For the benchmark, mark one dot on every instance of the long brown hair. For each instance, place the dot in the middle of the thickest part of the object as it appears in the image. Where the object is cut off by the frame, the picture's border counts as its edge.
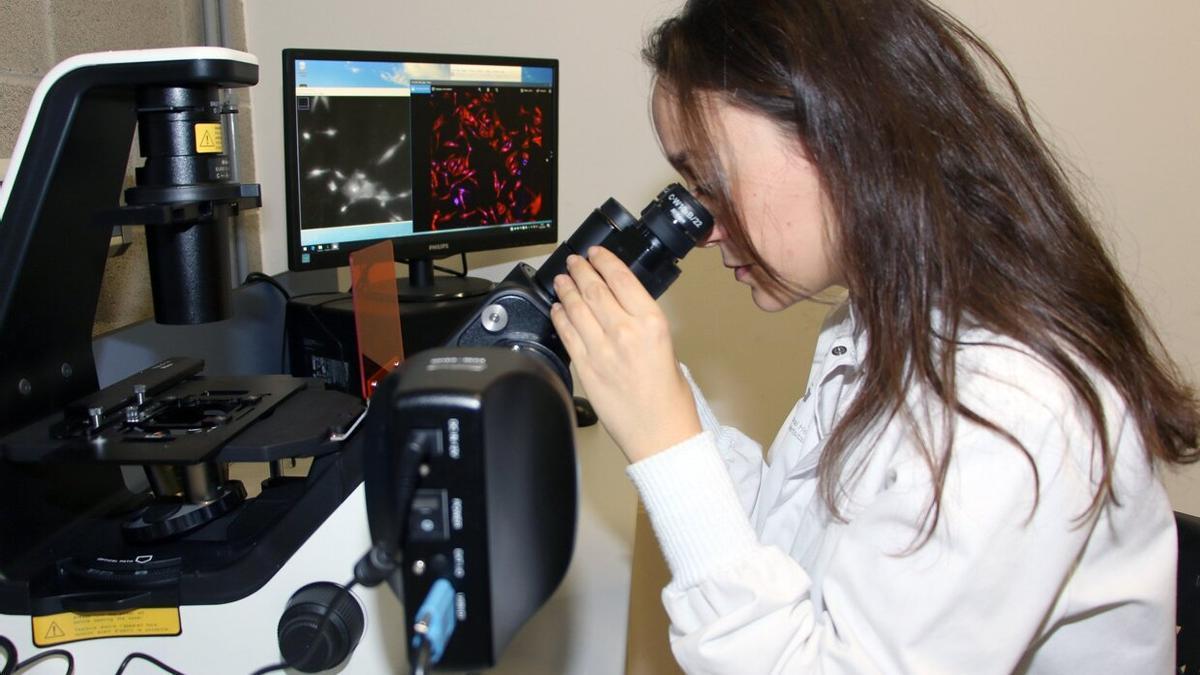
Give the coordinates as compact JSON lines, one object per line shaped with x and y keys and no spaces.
{"x":945,"y":199}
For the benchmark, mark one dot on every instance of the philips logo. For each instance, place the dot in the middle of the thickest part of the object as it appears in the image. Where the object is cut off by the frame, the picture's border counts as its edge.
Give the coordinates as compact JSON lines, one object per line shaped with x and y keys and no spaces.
{"x":439,"y":247}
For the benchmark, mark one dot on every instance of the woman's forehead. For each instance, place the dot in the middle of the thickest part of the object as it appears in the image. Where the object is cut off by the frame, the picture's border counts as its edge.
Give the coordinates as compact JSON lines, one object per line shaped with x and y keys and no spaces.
{"x":672,"y":124}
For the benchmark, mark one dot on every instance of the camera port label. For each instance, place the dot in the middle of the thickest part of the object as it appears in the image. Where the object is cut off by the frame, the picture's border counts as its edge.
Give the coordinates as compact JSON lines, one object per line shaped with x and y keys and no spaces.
{"x":56,"y":629}
{"x":452,"y":438}
{"x":475,"y":364}
{"x":460,"y":564}
{"x":456,"y":513}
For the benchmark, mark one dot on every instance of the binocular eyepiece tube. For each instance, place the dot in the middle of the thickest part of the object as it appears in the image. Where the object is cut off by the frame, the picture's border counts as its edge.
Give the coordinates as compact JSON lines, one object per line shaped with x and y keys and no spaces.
{"x":517,"y":314}
{"x":670,"y":226}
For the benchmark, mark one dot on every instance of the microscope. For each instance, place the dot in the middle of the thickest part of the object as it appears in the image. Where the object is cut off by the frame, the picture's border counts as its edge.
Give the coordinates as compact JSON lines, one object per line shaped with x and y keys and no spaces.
{"x":116,"y":501}
{"x":119,"y":522}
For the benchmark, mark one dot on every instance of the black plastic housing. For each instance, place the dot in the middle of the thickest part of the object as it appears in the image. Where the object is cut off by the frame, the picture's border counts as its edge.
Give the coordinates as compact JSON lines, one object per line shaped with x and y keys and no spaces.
{"x":505,"y":471}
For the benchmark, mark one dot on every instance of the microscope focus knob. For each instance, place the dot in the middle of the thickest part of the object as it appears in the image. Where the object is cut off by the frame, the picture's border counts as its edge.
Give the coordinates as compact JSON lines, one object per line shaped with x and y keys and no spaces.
{"x":311,"y":645}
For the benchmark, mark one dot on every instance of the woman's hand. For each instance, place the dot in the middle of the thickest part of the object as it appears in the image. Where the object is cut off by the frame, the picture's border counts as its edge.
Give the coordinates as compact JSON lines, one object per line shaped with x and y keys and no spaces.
{"x":620,"y":343}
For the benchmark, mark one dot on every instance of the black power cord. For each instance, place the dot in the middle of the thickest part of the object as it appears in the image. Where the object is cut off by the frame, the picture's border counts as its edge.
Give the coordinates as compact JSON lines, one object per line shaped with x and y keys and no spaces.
{"x":422,"y":664}
{"x":38,"y":658}
{"x":462,"y":274}
{"x":381,"y":561}
{"x":145,"y":657}
{"x":260,"y":278}
{"x":10,"y":656}
{"x":271,"y":668}
{"x":12,"y":666}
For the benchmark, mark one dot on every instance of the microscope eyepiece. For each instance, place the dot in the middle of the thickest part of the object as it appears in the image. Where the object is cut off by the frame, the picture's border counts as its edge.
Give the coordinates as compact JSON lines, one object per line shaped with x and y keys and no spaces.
{"x":517,"y":314}
{"x":670,"y":226}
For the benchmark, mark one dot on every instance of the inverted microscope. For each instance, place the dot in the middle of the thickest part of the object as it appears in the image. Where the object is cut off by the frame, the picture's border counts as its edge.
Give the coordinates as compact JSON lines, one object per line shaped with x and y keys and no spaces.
{"x":120,"y":523}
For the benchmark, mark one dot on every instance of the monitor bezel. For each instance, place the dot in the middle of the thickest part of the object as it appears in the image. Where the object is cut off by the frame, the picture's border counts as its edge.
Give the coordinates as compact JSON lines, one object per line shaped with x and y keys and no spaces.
{"x":449,"y":243}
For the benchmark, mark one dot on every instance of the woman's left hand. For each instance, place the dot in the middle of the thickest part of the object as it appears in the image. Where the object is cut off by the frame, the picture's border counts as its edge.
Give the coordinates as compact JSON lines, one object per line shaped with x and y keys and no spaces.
{"x":620,"y":342}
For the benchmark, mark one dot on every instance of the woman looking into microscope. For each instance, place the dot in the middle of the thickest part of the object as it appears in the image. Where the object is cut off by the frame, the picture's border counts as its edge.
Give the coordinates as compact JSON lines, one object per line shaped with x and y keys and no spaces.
{"x":969,"y":482}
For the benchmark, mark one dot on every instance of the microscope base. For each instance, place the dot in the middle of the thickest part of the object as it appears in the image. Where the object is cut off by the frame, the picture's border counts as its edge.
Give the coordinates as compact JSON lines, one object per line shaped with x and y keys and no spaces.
{"x":211,"y":639}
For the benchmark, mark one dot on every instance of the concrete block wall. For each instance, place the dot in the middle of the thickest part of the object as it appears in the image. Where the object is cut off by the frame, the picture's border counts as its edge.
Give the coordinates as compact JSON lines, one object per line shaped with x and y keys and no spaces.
{"x":37,"y":34}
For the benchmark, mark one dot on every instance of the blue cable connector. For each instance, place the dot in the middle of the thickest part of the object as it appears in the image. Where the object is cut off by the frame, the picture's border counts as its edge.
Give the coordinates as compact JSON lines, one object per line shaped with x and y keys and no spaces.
{"x":435,"y":620}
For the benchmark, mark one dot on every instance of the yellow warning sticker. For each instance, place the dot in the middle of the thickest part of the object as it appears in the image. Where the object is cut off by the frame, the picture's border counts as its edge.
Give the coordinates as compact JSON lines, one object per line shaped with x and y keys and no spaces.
{"x":70,"y":626}
{"x":208,"y":137}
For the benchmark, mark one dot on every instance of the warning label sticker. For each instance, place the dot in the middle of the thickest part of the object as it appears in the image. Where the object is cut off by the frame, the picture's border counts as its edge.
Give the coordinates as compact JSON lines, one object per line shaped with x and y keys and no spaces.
{"x":208,"y":137}
{"x":69,"y":626}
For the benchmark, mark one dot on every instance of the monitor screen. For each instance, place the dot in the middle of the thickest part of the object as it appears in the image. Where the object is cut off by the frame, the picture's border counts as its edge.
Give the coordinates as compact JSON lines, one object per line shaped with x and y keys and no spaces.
{"x":440,"y":154}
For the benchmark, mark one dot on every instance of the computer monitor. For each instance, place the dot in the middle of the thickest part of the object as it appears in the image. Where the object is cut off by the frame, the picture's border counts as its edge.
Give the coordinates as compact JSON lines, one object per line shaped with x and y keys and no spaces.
{"x":441,"y":154}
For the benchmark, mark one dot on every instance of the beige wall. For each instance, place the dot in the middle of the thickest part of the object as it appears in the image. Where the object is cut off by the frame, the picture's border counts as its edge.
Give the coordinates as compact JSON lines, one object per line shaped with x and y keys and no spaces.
{"x":1114,"y":86}
{"x":37,"y":34}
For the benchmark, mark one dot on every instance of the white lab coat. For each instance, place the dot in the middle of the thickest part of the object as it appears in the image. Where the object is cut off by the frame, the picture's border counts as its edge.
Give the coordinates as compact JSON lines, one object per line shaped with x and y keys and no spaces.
{"x":765,"y":581}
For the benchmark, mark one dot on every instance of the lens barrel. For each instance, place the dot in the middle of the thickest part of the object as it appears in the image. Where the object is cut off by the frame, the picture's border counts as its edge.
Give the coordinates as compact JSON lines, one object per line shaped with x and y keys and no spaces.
{"x":670,"y":226}
{"x":179,"y":133}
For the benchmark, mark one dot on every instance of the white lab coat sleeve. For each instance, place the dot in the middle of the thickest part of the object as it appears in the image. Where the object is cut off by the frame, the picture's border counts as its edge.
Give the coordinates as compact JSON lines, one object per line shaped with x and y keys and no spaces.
{"x":971,"y":599}
{"x":742,"y":455}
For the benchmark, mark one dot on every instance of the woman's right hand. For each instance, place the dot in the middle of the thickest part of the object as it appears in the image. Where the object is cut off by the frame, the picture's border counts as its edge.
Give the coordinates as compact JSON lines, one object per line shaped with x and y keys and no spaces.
{"x":620,"y":342}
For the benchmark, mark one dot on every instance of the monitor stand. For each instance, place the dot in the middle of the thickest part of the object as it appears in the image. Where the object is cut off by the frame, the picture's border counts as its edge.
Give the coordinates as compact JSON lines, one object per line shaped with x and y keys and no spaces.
{"x":424,"y":286}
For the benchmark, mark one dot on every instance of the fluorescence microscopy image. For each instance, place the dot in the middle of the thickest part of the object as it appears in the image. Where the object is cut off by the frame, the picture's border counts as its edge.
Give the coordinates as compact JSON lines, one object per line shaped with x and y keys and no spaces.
{"x":489,"y":162}
{"x":356,"y":159}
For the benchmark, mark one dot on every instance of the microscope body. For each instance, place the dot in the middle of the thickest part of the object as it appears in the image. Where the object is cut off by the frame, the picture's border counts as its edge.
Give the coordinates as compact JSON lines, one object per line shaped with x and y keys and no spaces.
{"x":516,"y":315}
{"x":115,"y":501}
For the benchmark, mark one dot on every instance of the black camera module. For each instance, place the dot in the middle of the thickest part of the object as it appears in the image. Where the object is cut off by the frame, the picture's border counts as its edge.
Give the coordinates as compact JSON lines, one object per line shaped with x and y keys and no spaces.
{"x":516,"y":315}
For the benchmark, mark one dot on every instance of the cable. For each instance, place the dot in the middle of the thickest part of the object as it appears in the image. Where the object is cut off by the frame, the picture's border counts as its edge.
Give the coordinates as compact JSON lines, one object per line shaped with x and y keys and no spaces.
{"x":435,"y":617}
{"x":12,"y":666}
{"x":145,"y":657}
{"x":10,"y":656}
{"x":312,"y":311}
{"x":309,"y":295}
{"x":462,"y":274}
{"x":423,"y":662}
{"x":270,"y":669}
{"x":434,"y":626}
{"x":456,"y":273}
{"x":259,"y":277}
{"x":381,"y":560}
{"x":312,"y":646}
{"x":37,"y":658}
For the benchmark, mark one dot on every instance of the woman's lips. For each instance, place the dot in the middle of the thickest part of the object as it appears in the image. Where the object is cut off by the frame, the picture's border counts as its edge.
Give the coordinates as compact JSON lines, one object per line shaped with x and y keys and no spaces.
{"x":741,"y":272}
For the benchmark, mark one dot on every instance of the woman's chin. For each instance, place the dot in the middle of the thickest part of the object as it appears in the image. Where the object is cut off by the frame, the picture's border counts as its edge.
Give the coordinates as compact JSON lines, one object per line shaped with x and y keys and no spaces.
{"x":766,"y":301}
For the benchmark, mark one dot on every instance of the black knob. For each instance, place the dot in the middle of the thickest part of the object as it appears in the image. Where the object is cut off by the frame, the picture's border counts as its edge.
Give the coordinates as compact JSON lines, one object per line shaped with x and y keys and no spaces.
{"x":311,"y":645}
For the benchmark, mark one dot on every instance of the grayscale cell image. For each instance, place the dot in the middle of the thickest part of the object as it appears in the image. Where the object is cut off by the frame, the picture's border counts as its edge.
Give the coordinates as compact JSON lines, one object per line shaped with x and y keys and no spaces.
{"x":355,"y":159}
